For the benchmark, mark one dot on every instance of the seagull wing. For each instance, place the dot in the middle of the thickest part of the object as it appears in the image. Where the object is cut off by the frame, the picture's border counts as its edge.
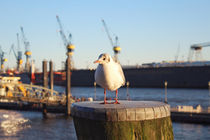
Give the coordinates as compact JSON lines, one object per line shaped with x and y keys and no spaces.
{"x":121,"y":73}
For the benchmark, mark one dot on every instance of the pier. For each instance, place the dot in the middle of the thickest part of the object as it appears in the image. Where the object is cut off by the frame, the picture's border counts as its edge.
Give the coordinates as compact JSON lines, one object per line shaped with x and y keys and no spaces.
{"x":188,"y":114}
{"x":15,"y":95}
{"x":31,"y":97}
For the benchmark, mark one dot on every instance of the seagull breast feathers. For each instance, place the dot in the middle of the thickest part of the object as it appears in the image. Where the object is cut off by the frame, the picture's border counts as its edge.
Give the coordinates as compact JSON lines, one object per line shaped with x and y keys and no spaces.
{"x":110,"y":76}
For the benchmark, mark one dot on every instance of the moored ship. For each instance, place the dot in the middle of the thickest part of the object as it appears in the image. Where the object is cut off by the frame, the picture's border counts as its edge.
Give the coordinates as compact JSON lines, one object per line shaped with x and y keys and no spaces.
{"x":178,"y":75}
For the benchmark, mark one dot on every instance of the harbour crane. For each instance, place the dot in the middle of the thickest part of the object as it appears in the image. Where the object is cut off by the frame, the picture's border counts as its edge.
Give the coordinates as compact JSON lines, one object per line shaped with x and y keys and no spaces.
{"x":67,"y":41}
{"x":115,"y":45}
{"x":27,"y":50}
{"x":2,"y":59}
{"x":177,"y":53}
{"x":195,"y":50}
{"x":17,"y":55}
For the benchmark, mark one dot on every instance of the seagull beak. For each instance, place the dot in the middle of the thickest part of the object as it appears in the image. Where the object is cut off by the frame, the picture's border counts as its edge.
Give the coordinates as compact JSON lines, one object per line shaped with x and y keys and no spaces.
{"x":97,"y":61}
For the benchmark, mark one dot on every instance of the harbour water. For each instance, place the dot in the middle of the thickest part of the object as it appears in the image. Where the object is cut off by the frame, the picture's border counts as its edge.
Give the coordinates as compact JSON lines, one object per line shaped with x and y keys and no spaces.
{"x":20,"y":125}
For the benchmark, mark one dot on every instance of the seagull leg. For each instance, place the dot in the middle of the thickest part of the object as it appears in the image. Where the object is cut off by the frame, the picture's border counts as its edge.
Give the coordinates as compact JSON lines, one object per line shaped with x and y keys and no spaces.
{"x":105,"y":96}
{"x":116,"y":101}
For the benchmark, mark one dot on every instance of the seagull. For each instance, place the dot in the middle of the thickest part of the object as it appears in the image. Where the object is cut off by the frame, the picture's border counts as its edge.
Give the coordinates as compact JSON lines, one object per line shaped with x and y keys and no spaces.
{"x":109,"y":75}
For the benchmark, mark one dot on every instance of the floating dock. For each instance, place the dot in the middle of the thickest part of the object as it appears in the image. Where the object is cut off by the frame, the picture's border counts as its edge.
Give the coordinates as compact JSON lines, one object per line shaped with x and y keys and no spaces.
{"x":188,"y":114}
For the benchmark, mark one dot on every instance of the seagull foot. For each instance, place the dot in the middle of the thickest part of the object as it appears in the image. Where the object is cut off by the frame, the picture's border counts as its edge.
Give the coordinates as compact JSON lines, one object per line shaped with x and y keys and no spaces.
{"x":116,"y":102}
{"x":105,"y":102}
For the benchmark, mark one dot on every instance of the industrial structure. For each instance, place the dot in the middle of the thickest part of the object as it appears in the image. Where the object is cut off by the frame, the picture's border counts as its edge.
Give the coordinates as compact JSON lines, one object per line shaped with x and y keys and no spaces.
{"x":14,"y":93}
{"x":27,"y":50}
{"x":195,"y":51}
{"x":2,"y":59}
{"x":115,"y":45}
{"x":17,"y":55}
{"x":67,"y":41}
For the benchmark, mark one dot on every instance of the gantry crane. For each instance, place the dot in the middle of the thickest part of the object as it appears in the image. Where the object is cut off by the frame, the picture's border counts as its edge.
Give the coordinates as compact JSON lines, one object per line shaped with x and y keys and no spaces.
{"x":195,"y":49}
{"x":27,"y":50}
{"x":2,"y":59}
{"x":116,"y":47}
{"x":67,"y":42}
{"x":17,"y":55}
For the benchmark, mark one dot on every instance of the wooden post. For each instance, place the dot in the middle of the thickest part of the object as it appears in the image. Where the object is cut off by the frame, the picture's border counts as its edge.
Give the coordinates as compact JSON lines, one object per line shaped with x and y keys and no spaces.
{"x":209,"y":92}
{"x":130,"y":120}
{"x":44,"y":110}
{"x":127,"y":85}
{"x":209,"y":87}
{"x":94,"y":90}
{"x":45,"y":84}
{"x":68,"y":86}
{"x":51,"y":77}
{"x":166,"y":83}
{"x":45,"y":75}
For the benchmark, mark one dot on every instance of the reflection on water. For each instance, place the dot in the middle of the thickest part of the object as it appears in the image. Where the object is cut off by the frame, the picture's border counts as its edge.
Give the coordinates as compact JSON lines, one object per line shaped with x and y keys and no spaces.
{"x":191,"y":131}
{"x":59,"y":127}
{"x":12,"y":122}
{"x":22,"y":125}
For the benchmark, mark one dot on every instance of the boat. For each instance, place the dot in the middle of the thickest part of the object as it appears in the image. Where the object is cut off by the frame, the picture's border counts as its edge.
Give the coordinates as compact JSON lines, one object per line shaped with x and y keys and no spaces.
{"x":149,"y":75}
{"x":9,"y":85}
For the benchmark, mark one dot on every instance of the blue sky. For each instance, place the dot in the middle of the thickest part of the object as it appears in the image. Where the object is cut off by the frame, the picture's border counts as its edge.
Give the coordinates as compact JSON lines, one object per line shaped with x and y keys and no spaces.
{"x":148,"y":30}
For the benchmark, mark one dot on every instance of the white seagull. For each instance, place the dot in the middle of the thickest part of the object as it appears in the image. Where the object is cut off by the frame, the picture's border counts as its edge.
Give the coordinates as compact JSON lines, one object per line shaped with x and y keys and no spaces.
{"x":109,"y":75}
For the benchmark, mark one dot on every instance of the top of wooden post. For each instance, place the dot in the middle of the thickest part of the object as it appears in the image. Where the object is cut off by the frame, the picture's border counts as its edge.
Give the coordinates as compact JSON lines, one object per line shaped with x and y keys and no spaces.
{"x":125,"y":111}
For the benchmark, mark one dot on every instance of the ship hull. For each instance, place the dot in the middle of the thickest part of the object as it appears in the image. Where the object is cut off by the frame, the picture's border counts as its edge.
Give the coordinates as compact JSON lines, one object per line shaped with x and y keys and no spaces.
{"x":177,"y":77}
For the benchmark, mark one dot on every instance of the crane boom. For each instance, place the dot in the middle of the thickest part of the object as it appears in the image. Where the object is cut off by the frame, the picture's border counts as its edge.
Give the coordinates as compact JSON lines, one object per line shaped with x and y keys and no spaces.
{"x":18,"y":42}
{"x":25,"y":41}
{"x":63,"y":36}
{"x":195,"y":49}
{"x":107,"y":32}
{"x":1,"y":53}
{"x":67,"y":41}
{"x":2,"y":59}
{"x":19,"y":52}
{"x":13,"y":50}
{"x":116,"y":47}
{"x":0,"y":50}
{"x":200,"y":45}
{"x":27,"y":50}
{"x":59,"y":23}
{"x":177,"y":53}
{"x":17,"y":55}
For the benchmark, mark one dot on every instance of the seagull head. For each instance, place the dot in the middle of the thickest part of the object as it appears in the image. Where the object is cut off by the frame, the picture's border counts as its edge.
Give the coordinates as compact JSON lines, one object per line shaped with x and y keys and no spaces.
{"x":103,"y":58}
